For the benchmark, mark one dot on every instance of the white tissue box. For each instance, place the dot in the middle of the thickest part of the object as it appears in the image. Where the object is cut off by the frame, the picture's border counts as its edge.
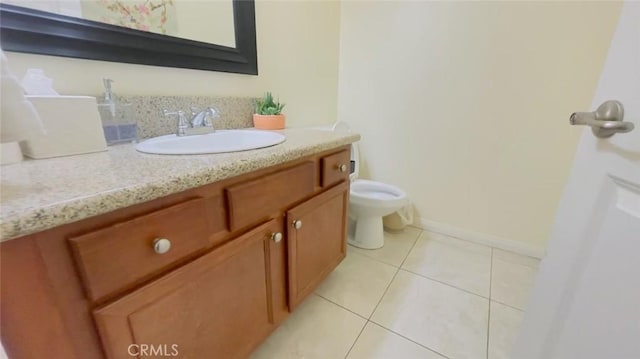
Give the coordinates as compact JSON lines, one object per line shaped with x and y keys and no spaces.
{"x":72,"y":125}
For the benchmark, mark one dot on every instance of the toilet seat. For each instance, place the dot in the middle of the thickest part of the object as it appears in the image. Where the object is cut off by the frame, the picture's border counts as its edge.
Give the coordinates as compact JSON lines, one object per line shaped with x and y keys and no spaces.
{"x":372,"y":193}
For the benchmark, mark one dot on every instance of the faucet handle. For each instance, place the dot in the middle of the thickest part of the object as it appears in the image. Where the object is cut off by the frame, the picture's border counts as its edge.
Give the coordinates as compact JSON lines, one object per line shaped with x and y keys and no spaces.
{"x":182,"y":124}
{"x":210,"y":113}
{"x":170,"y":113}
{"x":209,"y":110}
{"x":215,"y":113}
{"x":180,"y":114}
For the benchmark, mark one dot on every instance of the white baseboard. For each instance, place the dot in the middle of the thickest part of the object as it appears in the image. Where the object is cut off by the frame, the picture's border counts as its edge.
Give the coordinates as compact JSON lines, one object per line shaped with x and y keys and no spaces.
{"x":482,"y":238}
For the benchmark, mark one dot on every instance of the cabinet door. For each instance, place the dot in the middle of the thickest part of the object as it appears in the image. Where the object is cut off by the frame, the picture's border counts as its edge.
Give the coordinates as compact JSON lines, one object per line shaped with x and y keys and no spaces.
{"x":316,"y":232}
{"x":218,"y":306}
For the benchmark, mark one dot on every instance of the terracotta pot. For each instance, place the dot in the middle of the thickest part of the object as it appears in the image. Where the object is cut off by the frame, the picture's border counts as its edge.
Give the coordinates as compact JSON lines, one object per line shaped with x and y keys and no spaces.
{"x":268,"y":122}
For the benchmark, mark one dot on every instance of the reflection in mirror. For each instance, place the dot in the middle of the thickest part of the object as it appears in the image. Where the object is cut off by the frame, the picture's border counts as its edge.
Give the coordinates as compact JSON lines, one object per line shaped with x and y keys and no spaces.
{"x":209,"y":21}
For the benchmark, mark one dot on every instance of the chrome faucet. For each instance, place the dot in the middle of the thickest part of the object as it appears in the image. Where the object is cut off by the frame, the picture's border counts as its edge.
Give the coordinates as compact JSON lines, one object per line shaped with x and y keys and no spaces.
{"x":203,"y":118}
{"x":182,"y":125}
{"x":201,"y":121}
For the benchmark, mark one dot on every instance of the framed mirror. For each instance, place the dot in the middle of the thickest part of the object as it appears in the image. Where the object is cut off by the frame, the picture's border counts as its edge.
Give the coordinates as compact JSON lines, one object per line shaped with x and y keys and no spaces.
{"x":109,"y":30}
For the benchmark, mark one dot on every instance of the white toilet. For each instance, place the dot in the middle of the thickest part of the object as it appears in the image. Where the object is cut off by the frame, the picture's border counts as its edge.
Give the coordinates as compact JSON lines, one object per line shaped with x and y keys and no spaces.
{"x":369,"y":201}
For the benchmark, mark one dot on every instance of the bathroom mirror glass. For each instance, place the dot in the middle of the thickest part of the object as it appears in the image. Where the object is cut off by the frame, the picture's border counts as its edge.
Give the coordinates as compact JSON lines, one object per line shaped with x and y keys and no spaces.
{"x":203,"y":34}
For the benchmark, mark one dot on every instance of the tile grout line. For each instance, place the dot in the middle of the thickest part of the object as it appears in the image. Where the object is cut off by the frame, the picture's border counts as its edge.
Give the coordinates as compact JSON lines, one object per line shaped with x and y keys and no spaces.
{"x":415,"y":240}
{"x":363,"y":255}
{"x":517,"y":263}
{"x":356,"y":340}
{"x":384,"y":293}
{"x":489,"y":312}
{"x":447,"y":284}
{"x":376,"y":259}
{"x":436,"y":280}
{"x":397,"y":269}
{"x":394,"y":275}
{"x":409,"y":339}
{"x":508,"y":305}
{"x":350,"y":311}
{"x":451,"y":285}
{"x":341,"y":306}
{"x":386,"y":289}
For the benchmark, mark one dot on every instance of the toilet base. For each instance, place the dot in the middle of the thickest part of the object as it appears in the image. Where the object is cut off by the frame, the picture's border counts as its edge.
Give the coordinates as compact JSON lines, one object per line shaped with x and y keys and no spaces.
{"x":368,"y":233}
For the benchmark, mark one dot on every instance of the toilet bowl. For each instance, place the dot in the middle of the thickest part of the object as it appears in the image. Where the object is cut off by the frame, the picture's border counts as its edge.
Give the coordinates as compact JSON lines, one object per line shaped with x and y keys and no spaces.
{"x":369,"y":201}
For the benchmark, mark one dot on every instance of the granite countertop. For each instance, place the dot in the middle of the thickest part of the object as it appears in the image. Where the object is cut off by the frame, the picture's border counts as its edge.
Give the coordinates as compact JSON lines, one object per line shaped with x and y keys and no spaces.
{"x":40,"y":194}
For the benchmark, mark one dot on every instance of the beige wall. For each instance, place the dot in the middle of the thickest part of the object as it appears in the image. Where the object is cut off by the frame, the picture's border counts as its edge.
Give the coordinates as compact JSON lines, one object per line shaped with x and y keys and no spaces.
{"x":465,"y":105}
{"x":297,"y":60}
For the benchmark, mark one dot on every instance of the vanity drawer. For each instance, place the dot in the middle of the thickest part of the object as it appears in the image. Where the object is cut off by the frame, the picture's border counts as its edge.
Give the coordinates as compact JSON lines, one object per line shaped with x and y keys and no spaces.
{"x":257,"y":199}
{"x":117,"y":257}
{"x":335,"y":168}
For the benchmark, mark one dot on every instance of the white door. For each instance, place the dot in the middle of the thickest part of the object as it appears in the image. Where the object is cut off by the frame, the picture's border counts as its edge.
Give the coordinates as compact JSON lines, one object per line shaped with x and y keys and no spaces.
{"x":586,"y":300}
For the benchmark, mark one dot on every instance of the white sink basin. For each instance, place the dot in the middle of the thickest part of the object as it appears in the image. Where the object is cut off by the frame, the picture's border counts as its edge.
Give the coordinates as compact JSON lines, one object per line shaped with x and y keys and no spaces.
{"x":218,"y":142}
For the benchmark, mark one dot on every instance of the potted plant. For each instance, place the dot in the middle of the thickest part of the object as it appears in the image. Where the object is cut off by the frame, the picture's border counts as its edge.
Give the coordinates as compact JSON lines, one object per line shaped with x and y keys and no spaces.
{"x":268,"y":114}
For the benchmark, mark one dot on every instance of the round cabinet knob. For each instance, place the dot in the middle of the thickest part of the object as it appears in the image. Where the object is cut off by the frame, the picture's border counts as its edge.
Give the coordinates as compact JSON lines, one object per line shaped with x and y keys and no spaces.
{"x":297,"y":224}
{"x":161,"y":245}
{"x":342,"y":168}
{"x":277,"y":237}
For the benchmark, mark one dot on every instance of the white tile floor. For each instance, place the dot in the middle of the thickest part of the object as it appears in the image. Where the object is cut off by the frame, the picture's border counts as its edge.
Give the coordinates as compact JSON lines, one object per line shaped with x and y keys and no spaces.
{"x":423,"y":295}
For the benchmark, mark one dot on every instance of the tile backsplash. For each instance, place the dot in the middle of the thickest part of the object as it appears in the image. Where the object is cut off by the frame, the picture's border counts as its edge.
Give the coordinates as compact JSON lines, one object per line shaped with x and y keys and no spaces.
{"x":235,"y":112}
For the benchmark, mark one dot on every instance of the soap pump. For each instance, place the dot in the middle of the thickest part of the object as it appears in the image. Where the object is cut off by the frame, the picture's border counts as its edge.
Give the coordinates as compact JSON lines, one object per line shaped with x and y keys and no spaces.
{"x":118,"y":117}
{"x":108,"y":96}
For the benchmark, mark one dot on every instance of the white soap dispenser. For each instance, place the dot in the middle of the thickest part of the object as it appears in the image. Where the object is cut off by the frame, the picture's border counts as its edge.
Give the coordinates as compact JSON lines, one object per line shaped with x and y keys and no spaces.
{"x":108,"y":96}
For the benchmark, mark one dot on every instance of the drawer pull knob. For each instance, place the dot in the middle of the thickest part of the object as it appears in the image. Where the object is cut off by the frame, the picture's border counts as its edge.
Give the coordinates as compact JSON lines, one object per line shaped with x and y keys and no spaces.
{"x":277,"y":237}
{"x":161,"y":245}
{"x":342,"y":168}
{"x":297,"y":224}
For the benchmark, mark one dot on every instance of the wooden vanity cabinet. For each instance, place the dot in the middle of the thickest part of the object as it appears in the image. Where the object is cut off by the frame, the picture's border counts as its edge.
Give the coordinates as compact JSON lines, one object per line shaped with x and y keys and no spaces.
{"x":218,"y":306}
{"x":257,"y":199}
{"x":116,"y":257}
{"x":335,"y":167}
{"x":317,"y":240}
{"x":92,"y":288}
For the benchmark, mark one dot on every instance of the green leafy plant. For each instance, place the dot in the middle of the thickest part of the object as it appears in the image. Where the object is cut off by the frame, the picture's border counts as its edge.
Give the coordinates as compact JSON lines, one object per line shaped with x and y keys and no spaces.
{"x":266,"y":105}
